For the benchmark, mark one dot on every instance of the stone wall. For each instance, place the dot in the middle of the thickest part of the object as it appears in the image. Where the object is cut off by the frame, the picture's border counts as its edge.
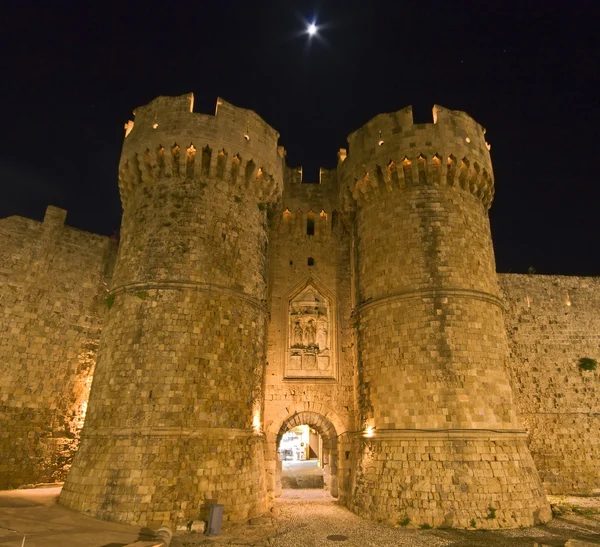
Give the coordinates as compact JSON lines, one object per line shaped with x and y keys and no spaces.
{"x":553,"y":321}
{"x":53,"y":283}
{"x":309,"y":259}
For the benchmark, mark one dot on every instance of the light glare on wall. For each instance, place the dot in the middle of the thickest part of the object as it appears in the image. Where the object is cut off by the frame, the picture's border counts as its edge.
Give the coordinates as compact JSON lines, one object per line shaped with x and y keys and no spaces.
{"x":82,"y":413}
{"x":256,"y":421}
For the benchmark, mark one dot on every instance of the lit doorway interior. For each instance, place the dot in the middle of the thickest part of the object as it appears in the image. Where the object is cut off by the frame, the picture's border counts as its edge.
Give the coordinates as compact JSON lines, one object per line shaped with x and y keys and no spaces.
{"x":301,"y":454}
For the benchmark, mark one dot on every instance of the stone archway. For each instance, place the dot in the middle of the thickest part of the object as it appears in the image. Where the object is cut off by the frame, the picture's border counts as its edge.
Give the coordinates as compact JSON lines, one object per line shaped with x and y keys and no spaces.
{"x":329,"y":437}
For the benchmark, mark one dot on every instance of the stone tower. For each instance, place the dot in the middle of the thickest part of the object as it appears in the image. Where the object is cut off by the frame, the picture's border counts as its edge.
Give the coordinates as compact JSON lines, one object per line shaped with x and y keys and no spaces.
{"x":177,"y":399}
{"x":441,"y":441}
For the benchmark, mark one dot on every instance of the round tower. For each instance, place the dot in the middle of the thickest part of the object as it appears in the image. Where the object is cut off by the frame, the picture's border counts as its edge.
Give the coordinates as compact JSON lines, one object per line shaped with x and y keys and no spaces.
{"x":440,"y":441}
{"x":175,"y":410}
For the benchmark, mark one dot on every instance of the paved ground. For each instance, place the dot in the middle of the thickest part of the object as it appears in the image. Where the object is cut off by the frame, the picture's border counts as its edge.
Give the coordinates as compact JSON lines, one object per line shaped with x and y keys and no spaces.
{"x":301,"y":474}
{"x":301,"y":518}
{"x":35,"y":514}
{"x":307,"y":523}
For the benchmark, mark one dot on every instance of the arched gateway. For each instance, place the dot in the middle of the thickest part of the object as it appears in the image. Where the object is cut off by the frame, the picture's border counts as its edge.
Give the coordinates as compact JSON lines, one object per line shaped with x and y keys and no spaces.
{"x":326,"y":423}
{"x":330,"y":447}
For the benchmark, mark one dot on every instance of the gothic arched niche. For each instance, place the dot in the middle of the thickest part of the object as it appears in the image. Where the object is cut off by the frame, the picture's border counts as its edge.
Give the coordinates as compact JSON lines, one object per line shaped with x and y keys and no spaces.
{"x":310,"y":348}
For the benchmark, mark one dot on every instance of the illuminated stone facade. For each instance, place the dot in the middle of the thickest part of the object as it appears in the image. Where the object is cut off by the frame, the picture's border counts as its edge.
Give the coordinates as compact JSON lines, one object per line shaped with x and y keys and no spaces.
{"x":245,"y":302}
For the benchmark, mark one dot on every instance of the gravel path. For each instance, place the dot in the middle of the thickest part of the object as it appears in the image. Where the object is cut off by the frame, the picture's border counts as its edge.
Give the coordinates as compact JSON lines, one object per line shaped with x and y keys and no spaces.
{"x":303,"y":522}
{"x":312,"y":518}
{"x":308,"y":523}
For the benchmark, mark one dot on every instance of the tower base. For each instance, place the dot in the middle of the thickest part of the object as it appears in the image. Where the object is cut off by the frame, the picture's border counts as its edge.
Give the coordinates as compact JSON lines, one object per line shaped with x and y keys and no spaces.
{"x":159,"y":477}
{"x":461,"y":479}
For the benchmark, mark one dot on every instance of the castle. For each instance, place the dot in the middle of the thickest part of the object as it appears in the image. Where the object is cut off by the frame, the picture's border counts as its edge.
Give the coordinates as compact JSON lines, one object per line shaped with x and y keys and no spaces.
{"x":241,"y":302}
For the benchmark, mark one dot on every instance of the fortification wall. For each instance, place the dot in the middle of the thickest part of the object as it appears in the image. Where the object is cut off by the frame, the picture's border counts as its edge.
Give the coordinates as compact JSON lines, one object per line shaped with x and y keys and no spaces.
{"x":53,"y":282}
{"x":366,"y":306}
{"x":310,"y":251}
{"x":552,"y":321}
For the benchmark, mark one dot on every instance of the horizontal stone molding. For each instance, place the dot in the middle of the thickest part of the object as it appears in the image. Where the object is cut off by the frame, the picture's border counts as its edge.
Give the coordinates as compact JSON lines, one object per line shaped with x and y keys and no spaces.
{"x":444,"y":434}
{"x":432,"y":293}
{"x":174,"y":284}
{"x":160,"y":431}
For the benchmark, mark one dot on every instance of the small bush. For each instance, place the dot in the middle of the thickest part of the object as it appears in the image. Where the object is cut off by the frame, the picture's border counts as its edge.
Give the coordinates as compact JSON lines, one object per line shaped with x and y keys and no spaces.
{"x":404,"y":522}
{"x":262,"y":206}
{"x":110,"y":300}
{"x":142,"y":295}
{"x":492,"y":513}
{"x":587,"y":363}
{"x":426,"y":526}
{"x":473,"y":523}
{"x":237,"y":199}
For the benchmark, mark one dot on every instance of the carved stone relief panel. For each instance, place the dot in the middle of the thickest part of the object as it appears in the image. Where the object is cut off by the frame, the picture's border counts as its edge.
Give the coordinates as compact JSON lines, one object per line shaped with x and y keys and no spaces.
{"x":310,"y":348}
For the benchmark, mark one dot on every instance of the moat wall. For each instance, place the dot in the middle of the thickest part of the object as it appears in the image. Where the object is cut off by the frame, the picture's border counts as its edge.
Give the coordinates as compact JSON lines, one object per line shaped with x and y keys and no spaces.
{"x":552,"y":321}
{"x":53,"y":283}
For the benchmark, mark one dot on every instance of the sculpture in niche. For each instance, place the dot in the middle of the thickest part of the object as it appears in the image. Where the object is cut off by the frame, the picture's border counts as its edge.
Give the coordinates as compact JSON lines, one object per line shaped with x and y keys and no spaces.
{"x":309,"y":353}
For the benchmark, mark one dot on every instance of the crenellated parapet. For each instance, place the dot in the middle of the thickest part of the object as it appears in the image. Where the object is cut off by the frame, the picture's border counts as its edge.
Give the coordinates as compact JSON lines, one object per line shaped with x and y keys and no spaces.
{"x":391,"y":152}
{"x":235,"y":146}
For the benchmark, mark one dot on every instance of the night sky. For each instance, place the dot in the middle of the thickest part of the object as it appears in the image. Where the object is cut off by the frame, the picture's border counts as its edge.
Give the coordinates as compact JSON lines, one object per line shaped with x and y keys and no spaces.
{"x":527,"y":71}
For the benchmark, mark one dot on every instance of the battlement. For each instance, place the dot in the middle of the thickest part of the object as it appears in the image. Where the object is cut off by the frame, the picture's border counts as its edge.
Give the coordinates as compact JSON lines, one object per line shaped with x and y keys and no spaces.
{"x":391,"y":151}
{"x":54,"y":217}
{"x":399,"y":126}
{"x":242,"y":123}
{"x":167,"y":139}
{"x":292,"y":175}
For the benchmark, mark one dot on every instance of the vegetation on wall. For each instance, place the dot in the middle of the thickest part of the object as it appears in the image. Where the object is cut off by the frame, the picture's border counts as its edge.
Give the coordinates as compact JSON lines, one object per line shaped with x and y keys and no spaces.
{"x":587,"y":363}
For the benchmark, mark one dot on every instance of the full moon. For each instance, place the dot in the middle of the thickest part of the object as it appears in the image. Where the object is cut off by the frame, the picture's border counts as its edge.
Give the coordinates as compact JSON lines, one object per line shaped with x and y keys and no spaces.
{"x":312,"y":29}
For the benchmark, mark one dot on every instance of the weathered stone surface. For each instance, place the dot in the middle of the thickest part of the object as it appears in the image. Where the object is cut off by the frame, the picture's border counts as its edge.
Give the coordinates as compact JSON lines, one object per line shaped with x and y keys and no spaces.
{"x":52,"y":306}
{"x":552,"y":322}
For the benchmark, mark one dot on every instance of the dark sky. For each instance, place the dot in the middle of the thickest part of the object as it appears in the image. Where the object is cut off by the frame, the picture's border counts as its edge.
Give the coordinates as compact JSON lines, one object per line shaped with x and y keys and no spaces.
{"x":527,"y":71}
